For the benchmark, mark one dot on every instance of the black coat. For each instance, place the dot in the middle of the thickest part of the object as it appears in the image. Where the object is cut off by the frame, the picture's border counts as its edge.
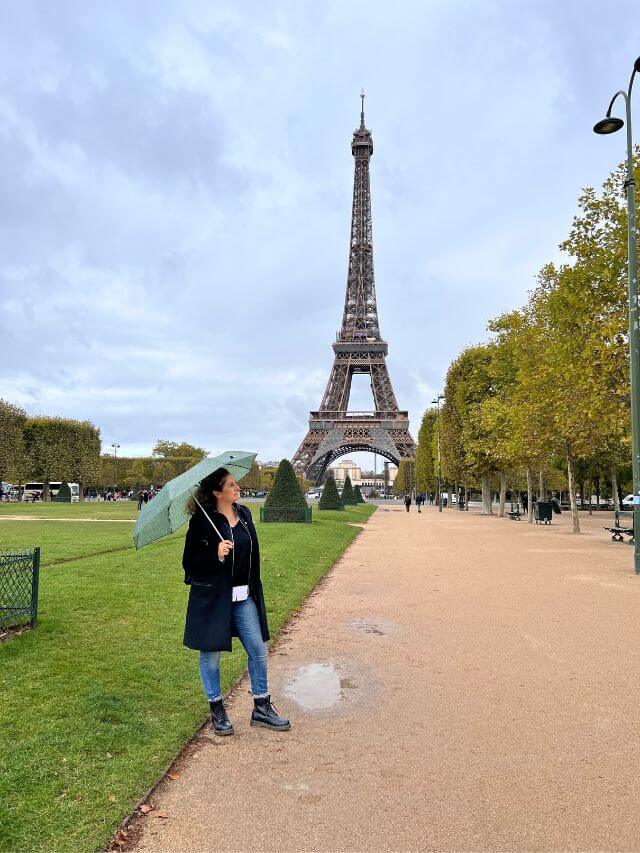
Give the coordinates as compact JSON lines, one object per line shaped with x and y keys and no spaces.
{"x":208,"y":625}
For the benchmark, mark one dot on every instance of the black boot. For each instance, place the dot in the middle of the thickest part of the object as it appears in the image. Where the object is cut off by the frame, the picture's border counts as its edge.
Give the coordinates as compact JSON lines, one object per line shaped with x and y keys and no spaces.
{"x":265,"y":714}
{"x":219,"y":720}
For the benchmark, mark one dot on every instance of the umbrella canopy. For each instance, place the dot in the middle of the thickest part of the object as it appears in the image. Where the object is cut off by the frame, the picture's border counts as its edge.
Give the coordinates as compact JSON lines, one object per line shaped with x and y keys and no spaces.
{"x":168,"y":510}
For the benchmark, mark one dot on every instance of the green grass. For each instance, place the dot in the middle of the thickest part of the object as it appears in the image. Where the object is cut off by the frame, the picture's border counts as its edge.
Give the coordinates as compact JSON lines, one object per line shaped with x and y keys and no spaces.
{"x":105,"y":673}
{"x":97,"y":509}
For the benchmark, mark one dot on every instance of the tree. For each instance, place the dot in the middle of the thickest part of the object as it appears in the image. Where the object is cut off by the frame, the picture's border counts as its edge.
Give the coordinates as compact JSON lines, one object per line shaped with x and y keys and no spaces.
{"x":180,"y":456}
{"x":405,"y":477}
{"x":426,"y":461}
{"x":12,"y":456}
{"x":358,"y":494}
{"x":285,"y":501}
{"x":48,"y":451}
{"x":348,"y":495}
{"x":84,"y":439}
{"x":330,"y":498}
{"x":136,"y":477}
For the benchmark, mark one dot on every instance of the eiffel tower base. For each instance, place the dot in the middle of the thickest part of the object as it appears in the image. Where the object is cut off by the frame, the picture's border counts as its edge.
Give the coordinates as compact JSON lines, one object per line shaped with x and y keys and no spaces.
{"x":329,"y":438}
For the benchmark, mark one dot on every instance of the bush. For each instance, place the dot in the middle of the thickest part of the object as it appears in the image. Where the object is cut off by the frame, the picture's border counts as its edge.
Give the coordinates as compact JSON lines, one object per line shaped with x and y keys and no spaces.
{"x":64,"y":494}
{"x":358,"y":494}
{"x":330,"y":499}
{"x":348,"y":495}
{"x":285,"y":501}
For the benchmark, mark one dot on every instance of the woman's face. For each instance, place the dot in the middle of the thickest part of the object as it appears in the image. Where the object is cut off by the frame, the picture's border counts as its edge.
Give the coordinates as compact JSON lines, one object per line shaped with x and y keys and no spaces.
{"x":230,"y":490}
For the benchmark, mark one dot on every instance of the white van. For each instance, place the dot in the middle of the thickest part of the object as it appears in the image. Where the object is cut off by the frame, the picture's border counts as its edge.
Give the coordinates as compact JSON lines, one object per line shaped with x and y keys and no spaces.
{"x":31,"y":490}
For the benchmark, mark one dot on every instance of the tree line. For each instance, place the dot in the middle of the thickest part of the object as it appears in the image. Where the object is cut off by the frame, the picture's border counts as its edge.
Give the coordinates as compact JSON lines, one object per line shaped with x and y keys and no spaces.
{"x":544,"y":404}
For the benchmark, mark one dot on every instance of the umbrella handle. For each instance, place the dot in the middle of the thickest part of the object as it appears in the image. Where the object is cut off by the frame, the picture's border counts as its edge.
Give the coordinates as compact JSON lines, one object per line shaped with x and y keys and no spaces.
{"x":210,"y":522}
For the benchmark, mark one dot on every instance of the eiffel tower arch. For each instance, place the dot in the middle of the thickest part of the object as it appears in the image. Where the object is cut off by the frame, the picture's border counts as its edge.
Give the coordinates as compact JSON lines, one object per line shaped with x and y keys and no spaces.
{"x":359,"y":348}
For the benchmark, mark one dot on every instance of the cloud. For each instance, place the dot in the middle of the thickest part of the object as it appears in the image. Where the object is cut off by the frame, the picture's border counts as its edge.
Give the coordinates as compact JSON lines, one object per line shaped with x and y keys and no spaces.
{"x":175,"y":196}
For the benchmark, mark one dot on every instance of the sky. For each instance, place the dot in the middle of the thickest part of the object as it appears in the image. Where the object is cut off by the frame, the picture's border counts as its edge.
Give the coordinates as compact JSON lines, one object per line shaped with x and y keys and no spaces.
{"x":175,"y":196}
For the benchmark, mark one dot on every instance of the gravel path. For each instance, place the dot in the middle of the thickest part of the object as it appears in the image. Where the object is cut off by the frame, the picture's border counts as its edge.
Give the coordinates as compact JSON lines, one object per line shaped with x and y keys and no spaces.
{"x":455,"y":683}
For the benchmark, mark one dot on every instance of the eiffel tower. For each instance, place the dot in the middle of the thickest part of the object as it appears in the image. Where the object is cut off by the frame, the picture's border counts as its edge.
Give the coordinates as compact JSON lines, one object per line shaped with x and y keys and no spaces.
{"x":359,"y":348}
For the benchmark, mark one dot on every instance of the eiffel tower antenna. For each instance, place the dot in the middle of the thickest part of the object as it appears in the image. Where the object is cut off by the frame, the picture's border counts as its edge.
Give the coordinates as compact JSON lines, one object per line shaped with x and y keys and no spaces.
{"x":359,"y":348}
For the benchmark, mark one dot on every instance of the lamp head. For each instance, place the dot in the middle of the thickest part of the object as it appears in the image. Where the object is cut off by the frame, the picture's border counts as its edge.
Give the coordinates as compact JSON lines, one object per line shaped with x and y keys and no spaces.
{"x":610,"y":124}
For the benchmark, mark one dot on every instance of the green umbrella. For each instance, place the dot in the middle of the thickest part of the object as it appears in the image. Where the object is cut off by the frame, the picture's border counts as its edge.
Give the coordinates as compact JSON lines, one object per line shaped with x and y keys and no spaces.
{"x":168,"y":510}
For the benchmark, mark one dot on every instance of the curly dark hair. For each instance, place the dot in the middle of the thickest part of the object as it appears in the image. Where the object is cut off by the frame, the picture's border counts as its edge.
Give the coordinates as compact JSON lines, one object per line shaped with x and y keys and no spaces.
{"x":204,"y":493}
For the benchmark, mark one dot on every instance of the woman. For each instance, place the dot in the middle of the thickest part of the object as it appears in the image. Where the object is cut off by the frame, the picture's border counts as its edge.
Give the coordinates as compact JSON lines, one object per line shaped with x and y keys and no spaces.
{"x":222,"y":565}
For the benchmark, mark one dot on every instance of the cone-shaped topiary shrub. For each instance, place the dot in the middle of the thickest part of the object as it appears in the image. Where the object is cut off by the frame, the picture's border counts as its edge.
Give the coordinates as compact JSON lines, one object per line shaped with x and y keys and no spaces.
{"x":358,"y":494}
{"x":330,"y":499}
{"x":285,"y":501}
{"x":348,"y":495}
{"x":64,"y":494}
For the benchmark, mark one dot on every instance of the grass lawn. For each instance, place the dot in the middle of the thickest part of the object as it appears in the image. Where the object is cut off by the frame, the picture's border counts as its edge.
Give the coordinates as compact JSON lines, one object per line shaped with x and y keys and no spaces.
{"x":102,"y":695}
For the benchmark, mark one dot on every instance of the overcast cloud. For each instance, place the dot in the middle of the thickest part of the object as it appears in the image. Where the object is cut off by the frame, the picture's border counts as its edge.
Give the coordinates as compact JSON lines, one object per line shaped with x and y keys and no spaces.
{"x":175,"y":195}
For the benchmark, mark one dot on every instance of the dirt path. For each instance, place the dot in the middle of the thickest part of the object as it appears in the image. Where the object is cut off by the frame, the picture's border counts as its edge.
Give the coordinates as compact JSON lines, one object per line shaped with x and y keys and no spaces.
{"x":475,"y":684}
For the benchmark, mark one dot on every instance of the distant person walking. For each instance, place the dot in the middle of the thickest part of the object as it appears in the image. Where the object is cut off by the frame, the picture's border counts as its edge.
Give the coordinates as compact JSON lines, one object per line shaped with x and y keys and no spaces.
{"x":140,"y":499}
{"x":407,"y":501}
{"x":525,"y":502}
{"x":221,"y":564}
{"x":419,"y":501}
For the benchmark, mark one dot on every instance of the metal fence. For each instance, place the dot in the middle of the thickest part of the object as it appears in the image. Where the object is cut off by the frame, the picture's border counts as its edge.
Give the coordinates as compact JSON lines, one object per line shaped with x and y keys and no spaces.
{"x":19,"y":573}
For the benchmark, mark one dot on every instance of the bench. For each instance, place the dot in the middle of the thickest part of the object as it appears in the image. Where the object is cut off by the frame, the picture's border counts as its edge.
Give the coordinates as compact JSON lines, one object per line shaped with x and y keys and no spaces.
{"x":514,"y":515}
{"x":619,"y":532}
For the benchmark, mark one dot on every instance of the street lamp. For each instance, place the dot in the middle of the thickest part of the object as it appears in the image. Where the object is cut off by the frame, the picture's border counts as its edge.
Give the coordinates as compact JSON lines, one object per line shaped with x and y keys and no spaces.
{"x":437,"y":402}
{"x":115,"y":463}
{"x":610,"y":124}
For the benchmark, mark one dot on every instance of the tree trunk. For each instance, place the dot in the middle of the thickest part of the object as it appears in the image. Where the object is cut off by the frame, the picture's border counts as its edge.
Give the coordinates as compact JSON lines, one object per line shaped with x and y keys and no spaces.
{"x":614,"y":488}
{"x":529,"y":495}
{"x":466,"y":499}
{"x":543,"y":491}
{"x":449,"y":496}
{"x":487,"y":508}
{"x":80,"y":491}
{"x":581,"y":495}
{"x":503,"y":493}
{"x":46,"y":491}
{"x":597,"y":481}
{"x":572,"y":495}
{"x":590,"y":493}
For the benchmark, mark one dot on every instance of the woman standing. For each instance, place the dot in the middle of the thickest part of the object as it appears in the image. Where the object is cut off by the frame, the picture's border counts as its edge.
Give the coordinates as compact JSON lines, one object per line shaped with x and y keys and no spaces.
{"x":222,"y":566}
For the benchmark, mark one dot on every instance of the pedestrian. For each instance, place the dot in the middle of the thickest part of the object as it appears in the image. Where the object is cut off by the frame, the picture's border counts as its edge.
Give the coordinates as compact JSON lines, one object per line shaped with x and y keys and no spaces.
{"x":525,"y":502}
{"x":222,"y":566}
{"x":419,"y":501}
{"x":407,"y":501}
{"x":140,"y":499}
{"x":145,"y":496}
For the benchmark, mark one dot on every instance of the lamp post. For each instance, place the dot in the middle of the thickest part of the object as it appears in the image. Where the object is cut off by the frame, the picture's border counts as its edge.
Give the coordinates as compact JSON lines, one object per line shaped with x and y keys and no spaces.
{"x":115,"y":463}
{"x":437,"y":402}
{"x":610,"y":124}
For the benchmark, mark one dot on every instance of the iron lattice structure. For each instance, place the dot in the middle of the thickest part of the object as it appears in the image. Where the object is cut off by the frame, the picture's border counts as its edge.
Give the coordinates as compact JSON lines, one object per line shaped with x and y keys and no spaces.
{"x":359,"y":348}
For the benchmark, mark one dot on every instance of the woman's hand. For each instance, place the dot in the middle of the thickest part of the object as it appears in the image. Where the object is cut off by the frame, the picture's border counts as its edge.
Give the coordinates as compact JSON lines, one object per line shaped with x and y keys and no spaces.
{"x":223,"y":549}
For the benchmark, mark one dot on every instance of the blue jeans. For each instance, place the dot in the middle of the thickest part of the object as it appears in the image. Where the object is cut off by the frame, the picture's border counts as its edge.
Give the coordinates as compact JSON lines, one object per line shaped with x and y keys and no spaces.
{"x":244,"y":616}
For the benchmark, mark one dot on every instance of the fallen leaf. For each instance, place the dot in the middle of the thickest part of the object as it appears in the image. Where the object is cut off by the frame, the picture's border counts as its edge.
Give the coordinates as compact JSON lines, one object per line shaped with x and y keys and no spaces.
{"x":112,"y":799}
{"x":162,"y":815}
{"x":173,"y":775}
{"x":109,"y":755}
{"x":145,"y":809}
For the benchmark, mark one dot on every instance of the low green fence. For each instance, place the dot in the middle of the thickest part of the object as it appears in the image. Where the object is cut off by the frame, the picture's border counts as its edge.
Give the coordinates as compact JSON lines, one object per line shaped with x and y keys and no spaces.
{"x":290,"y":514}
{"x":19,"y":574}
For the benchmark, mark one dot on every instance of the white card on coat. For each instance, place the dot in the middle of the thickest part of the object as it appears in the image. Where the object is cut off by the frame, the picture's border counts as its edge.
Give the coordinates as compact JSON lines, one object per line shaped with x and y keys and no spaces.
{"x":240,"y":593}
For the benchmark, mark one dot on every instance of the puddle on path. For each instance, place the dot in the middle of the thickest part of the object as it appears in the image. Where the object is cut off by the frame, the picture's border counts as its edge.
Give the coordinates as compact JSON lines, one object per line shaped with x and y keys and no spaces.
{"x":377,"y":627}
{"x":315,"y":687}
{"x":368,"y":627}
{"x":319,"y":686}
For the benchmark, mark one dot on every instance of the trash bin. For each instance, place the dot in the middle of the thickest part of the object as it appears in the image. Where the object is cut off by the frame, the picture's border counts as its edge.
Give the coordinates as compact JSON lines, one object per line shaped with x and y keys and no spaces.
{"x":19,"y":572}
{"x":544,"y":511}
